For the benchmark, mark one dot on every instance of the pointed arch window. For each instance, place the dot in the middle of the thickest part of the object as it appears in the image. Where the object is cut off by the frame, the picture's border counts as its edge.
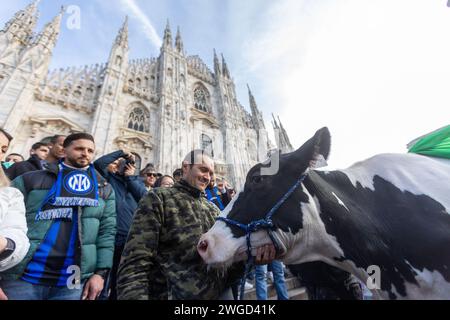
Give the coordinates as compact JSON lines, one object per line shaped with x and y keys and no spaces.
{"x":207,"y":144}
{"x":139,"y":119}
{"x":119,"y":61}
{"x":201,"y":99}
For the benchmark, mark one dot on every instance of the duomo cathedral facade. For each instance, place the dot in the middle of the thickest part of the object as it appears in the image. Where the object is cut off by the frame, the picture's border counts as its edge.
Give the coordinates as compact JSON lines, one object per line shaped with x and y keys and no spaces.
{"x":158,"y":108}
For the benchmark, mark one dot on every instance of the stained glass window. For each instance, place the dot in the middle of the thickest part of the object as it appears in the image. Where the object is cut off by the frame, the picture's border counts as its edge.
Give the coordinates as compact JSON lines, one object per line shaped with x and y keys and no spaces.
{"x":139,"y":120}
{"x":201,"y":99}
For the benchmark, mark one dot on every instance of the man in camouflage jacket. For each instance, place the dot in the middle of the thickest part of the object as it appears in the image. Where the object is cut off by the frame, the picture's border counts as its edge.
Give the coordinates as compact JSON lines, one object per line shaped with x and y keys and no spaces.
{"x":163,"y":239}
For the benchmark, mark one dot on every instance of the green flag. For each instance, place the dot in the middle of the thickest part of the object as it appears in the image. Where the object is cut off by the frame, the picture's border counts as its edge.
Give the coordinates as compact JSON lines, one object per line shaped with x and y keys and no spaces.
{"x":435,"y":144}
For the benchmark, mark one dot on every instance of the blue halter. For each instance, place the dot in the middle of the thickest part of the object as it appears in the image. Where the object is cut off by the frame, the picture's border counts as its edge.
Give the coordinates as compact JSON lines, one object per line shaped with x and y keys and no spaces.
{"x":254,"y":226}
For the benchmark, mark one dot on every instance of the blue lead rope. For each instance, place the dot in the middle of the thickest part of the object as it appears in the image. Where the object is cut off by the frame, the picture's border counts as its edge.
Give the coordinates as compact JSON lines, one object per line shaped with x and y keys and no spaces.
{"x":254,"y":226}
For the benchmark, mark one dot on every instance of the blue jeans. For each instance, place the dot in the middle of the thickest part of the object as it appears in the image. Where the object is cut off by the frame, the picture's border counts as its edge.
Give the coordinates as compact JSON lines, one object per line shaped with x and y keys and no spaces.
{"x":22,"y":290}
{"x":278,"y":279}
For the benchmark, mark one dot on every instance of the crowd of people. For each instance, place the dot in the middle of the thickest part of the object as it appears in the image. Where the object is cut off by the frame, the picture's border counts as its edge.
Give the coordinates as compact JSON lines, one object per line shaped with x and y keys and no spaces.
{"x":72,"y":227}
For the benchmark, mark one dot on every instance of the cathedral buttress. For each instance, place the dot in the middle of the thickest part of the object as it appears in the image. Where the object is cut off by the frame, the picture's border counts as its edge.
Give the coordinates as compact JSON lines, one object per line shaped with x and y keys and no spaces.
{"x":32,"y":67}
{"x":173,"y":90}
{"x":18,"y":33}
{"x":107,"y":109}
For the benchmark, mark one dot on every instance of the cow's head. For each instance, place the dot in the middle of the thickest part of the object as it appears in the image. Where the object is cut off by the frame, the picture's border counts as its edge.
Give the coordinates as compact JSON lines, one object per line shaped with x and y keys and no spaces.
{"x":225,"y":244}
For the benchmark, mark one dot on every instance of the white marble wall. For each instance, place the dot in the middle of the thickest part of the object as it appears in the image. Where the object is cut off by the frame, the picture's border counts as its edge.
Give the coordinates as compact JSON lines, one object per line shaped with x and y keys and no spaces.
{"x":30,"y":110}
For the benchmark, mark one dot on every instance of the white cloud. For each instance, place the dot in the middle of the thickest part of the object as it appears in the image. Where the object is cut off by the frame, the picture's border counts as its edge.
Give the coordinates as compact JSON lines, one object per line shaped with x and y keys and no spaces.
{"x":377,"y":73}
{"x":148,"y":28}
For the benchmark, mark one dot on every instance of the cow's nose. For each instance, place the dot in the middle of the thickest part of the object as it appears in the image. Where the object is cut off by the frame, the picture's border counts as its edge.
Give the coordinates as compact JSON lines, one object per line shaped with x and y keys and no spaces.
{"x":202,"y":246}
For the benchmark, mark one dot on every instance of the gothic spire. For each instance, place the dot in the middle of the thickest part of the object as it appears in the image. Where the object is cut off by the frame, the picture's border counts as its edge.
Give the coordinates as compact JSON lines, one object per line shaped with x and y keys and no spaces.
{"x":49,"y":35}
{"x":279,"y":121}
{"x":275,"y":124}
{"x":119,"y":51}
{"x":122,"y":36}
{"x":167,"y":35}
{"x":256,"y":114}
{"x":225,"y":71}
{"x":284,"y":143}
{"x":179,"y":41}
{"x":217,"y":67}
{"x":31,"y":9}
{"x":253,"y":104}
{"x":24,"y":22}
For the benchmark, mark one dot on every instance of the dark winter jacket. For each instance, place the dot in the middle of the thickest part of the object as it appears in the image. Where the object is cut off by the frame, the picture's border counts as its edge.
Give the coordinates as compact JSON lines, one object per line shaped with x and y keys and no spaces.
{"x":129,"y":191}
{"x":163,"y":242}
{"x":18,"y":169}
{"x":97,"y":225}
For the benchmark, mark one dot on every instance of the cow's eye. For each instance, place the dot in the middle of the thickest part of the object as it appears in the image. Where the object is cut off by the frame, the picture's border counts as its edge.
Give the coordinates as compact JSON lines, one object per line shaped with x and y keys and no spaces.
{"x":257,"y":179}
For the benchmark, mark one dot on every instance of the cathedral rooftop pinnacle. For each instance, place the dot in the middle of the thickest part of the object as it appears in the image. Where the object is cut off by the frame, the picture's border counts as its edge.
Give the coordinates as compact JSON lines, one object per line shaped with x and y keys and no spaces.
{"x":275,"y":124}
{"x":256,"y":114}
{"x":168,"y":35}
{"x":122,"y":37}
{"x":217,"y":67}
{"x":225,"y":70}
{"x":179,"y":41}
{"x":253,"y":104}
{"x":284,"y":143}
{"x":26,"y":19}
{"x":49,"y":35}
{"x":32,"y":7}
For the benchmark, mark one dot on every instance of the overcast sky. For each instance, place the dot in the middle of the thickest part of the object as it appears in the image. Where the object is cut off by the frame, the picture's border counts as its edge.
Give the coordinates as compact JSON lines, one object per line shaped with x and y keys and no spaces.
{"x":377,"y":73}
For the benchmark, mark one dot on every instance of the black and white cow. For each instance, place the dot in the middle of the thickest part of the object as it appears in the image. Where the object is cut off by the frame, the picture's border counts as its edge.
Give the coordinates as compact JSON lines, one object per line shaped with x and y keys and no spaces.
{"x":390,"y":211}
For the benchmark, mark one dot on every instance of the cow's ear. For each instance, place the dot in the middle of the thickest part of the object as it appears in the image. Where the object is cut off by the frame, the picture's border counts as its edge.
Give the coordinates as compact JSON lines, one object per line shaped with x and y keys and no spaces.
{"x":316,"y":150}
{"x":322,"y":146}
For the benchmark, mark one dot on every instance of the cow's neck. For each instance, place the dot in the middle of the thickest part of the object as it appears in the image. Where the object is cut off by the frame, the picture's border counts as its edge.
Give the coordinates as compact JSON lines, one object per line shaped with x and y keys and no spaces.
{"x":314,"y":242}
{"x":311,"y":242}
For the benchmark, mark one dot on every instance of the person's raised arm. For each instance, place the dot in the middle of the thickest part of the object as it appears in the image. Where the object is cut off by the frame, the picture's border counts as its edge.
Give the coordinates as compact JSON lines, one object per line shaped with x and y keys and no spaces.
{"x":101,"y":164}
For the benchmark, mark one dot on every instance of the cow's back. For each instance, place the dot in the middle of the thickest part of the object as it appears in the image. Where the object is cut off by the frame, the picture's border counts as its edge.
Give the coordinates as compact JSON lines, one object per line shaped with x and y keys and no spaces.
{"x":409,"y":172}
{"x":391,"y":210}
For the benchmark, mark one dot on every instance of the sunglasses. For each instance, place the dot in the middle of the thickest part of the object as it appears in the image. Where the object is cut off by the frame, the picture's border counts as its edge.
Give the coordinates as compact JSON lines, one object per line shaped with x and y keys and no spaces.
{"x":155,"y":175}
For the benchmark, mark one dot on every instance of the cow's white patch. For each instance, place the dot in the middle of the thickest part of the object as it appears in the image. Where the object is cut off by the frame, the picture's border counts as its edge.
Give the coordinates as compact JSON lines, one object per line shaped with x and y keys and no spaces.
{"x":224,"y":248}
{"x":318,"y":162}
{"x":312,"y":242}
{"x":408,"y":172}
{"x":431,"y":285}
{"x":340,"y":201}
{"x":222,"y":245}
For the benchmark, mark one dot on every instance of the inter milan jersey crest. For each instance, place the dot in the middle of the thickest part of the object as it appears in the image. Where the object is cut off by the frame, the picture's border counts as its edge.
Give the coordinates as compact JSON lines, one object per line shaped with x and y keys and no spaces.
{"x":78,"y":183}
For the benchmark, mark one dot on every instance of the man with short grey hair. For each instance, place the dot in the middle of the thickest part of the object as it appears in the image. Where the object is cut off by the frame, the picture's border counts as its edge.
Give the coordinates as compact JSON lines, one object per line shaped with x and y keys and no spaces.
{"x":149,"y":176}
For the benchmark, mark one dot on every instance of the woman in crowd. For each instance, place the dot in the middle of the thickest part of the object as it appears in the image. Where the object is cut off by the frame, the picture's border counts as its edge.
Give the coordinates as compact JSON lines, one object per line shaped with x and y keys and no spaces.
{"x":14,"y":243}
{"x":164,"y":182}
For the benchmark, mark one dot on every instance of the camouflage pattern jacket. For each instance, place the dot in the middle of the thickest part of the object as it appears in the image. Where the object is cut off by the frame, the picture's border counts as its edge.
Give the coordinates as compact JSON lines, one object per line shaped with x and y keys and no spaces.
{"x":162,"y":243}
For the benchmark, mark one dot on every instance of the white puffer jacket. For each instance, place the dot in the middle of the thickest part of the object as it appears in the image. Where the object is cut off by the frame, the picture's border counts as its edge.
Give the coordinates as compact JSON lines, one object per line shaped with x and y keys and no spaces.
{"x":13,"y":225}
